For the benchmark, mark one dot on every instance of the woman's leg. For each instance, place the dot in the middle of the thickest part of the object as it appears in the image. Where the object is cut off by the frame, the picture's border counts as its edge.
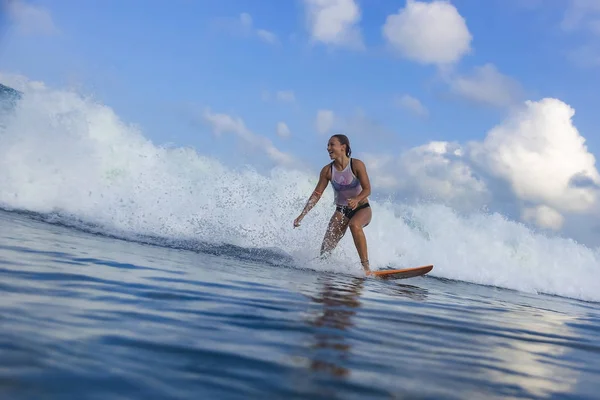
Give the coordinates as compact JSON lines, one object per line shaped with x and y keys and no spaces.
{"x":335,"y":231}
{"x":356,"y":224}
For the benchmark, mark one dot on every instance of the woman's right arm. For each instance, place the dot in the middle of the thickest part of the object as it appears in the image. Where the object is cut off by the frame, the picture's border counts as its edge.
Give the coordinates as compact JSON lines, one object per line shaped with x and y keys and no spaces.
{"x":315,"y":196}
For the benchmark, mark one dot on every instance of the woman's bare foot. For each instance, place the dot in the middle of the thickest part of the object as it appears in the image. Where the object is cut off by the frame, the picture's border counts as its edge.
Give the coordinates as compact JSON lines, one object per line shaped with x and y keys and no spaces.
{"x":365,"y":264}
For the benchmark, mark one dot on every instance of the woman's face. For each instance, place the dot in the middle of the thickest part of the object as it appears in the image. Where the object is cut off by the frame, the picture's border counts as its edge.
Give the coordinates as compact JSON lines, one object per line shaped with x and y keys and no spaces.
{"x":335,"y":148}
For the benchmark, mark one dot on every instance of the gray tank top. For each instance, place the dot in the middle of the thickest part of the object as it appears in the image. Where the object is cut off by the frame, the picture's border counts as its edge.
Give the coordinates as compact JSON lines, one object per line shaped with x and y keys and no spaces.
{"x":345,"y":184}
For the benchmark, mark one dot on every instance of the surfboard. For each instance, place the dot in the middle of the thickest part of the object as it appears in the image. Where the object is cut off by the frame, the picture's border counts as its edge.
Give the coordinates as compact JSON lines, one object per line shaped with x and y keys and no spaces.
{"x":402,"y":273}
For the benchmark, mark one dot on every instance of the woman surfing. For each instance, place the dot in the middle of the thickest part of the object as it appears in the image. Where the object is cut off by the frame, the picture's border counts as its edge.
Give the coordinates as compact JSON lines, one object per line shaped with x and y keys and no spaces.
{"x":351,"y":186}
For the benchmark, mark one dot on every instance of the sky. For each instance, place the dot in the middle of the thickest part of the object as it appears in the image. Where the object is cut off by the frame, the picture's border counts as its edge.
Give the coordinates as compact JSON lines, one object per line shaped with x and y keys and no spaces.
{"x":477,"y":104}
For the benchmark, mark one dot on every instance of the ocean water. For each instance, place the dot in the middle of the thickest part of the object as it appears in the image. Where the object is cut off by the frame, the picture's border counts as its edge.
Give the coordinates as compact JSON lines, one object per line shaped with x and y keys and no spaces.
{"x":130,"y":270}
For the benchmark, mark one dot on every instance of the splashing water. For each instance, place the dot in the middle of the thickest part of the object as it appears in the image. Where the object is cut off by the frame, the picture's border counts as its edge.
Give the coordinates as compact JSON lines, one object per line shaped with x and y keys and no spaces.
{"x":64,"y":154}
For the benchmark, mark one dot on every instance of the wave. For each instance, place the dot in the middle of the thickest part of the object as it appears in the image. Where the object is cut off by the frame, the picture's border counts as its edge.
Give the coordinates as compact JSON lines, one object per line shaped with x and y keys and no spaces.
{"x":68,"y":157}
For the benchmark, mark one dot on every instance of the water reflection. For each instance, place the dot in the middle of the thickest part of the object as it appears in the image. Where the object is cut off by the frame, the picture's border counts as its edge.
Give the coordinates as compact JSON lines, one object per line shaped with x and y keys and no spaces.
{"x":340,"y":301}
{"x":536,"y":358}
{"x":412,"y":292}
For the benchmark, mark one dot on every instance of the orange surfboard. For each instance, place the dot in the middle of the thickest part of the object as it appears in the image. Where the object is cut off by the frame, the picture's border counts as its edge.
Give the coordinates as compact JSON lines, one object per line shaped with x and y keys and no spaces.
{"x":402,"y":273}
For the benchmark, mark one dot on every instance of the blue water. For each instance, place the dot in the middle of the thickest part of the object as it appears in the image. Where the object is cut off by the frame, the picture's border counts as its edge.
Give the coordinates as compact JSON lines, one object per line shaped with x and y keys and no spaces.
{"x":87,"y":316}
{"x":129,"y":270}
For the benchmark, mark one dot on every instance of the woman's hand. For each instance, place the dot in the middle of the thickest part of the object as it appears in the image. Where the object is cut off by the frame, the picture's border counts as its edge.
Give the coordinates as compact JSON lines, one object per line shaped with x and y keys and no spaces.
{"x":352,"y":203}
{"x":298,"y":220}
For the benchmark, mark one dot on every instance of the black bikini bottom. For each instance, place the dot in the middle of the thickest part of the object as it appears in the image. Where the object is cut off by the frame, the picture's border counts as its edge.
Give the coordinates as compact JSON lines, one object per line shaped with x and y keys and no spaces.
{"x":348,"y":212}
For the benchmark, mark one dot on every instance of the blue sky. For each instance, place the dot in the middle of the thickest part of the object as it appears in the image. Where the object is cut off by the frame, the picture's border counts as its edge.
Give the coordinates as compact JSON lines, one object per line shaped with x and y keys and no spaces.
{"x":184,"y":69}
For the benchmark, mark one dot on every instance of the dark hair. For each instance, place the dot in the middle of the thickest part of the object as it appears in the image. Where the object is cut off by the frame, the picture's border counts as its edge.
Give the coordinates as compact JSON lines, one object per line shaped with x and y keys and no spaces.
{"x":344,"y":140}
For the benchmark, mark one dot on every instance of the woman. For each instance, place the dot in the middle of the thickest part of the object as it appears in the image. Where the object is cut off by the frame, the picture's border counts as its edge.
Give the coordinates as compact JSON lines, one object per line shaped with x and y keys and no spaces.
{"x":351,"y":187}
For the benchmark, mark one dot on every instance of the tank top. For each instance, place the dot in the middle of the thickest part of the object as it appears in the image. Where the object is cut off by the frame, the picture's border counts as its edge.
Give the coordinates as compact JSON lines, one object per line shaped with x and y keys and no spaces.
{"x":345,"y":184}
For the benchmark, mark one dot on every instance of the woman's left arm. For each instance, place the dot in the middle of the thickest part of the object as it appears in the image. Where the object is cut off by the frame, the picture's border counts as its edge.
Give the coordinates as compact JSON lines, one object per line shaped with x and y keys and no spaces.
{"x":363,"y":178}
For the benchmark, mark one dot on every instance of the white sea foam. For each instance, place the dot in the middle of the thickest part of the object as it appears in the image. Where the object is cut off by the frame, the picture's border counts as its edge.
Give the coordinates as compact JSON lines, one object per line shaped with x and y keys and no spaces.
{"x":61,"y":152}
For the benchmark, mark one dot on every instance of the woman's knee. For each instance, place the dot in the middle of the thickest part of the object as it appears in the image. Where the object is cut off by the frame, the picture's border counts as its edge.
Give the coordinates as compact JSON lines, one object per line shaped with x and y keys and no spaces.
{"x":355,"y":225}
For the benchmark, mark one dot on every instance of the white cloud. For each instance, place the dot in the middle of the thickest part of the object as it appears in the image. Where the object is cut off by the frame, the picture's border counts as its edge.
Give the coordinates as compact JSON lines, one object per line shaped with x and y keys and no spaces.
{"x":287,"y":96}
{"x":267,"y":36}
{"x":428,"y":33}
{"x":541,"y":154}
{"x":324,"y":121}
{"x":30,"y":19}
{"x":544,"y":217}
{"x":283,"y":96}
{"x":488,"y":86}
{"x":283,"y":130}
{"x":582,"y":14}
{"x":381,"y":169}
{"x":334,"y":22}
{"x":224,"y":123}
{"x":534,"y":163}
{"x":243,"y":26}
{"x":436,"y":170}
{"x":246,"y":20}
{"x":412,"y":104}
